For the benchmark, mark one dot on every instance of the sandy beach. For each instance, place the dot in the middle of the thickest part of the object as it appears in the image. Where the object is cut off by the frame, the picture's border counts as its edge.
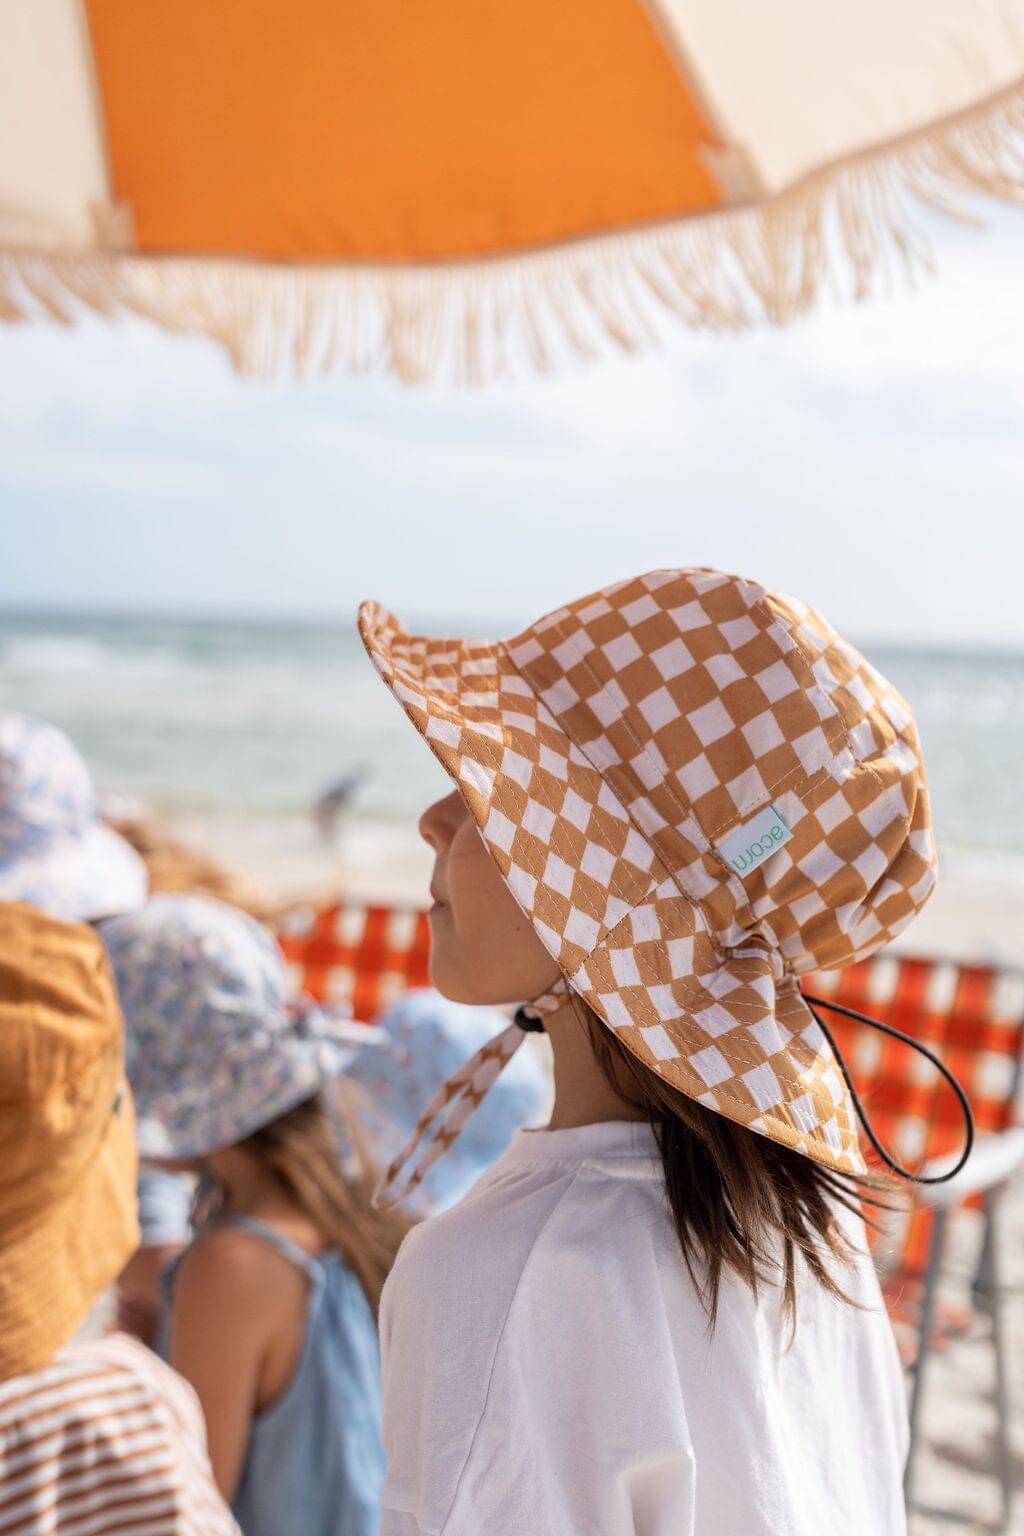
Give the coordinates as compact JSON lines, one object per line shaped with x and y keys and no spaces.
{"x":957,"y":1489}
{"x":288,"y":861}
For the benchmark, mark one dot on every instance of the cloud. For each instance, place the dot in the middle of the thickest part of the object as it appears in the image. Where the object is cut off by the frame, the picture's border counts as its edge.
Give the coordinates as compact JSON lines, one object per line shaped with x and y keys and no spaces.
{"x":869,"y":458}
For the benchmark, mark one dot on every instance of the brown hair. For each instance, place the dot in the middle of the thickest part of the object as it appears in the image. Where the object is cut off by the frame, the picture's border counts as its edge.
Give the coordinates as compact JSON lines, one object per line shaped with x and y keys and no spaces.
{"x":301,"y":1150}
{"x":736,"y":1197}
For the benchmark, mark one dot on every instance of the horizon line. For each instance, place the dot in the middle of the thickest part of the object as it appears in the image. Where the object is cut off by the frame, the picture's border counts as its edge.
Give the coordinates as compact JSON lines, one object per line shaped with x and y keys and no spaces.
{"x":327,"y":619}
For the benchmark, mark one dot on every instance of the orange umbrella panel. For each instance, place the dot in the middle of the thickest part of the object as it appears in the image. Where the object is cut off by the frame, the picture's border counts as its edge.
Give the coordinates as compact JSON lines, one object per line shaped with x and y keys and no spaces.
{"x":373,"y":131}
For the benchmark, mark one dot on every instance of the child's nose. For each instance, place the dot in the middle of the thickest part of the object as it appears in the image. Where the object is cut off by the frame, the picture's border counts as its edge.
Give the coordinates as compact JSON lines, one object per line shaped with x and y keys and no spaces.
{"x":439,"y":821}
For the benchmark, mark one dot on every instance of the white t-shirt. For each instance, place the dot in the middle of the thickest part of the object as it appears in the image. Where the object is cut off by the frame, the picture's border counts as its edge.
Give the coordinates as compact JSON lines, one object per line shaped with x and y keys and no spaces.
{"x":548,"y":1371}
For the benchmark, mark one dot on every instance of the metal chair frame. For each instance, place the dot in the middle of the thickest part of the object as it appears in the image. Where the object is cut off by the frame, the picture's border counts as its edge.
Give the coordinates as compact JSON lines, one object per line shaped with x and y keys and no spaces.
{"x":985,"y":1177}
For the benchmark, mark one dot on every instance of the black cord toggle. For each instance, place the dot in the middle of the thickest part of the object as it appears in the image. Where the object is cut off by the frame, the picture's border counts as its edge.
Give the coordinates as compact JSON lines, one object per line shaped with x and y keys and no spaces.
{"x":527,"y":1022}
{"x":851,"y":1013}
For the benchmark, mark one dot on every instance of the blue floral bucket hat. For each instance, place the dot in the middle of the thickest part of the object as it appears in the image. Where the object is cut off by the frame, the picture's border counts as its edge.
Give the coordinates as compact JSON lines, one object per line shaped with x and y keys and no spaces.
{"x":54,"y":853}
{"x":421,"y":1040}
{"x":214,"y":1047}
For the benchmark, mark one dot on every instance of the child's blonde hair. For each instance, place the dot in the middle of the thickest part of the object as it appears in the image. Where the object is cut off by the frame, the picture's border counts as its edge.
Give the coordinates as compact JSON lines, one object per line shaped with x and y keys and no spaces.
{"x":300,"y":1149}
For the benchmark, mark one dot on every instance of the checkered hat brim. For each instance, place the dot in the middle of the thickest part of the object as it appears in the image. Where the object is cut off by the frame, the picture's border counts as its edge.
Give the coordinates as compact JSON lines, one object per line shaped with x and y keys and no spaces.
{"x":610,"y":750}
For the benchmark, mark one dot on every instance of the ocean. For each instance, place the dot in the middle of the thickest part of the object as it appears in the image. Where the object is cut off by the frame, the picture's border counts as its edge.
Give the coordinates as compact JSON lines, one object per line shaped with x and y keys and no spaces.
{"x":204,"y":719}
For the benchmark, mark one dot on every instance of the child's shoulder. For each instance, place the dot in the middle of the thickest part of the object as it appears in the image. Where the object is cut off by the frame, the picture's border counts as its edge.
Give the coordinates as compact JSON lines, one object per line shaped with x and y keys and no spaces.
{"x":481,"y":1245}
{"x":237,"y":1265}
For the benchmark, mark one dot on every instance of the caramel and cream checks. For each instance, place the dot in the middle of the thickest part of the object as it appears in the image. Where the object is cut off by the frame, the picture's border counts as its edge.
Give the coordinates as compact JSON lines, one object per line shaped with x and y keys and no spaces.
{"x":697,"y":791}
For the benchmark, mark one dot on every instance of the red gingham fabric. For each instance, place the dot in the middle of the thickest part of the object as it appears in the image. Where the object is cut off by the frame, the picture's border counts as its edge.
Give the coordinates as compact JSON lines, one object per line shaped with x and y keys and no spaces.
{"x":366,"y":956}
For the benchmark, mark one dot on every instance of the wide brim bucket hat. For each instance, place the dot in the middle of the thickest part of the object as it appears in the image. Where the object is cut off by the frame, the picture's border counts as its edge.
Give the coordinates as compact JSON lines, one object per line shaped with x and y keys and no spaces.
{"x":697,"y":791}
{"x":215,"y":1048}
{"x":54,"y":852}
{"x":68,"y":1218}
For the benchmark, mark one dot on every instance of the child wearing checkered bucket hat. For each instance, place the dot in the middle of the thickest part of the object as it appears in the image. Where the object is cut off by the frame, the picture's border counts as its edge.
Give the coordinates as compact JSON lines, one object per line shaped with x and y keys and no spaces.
{"x":673,"y":798}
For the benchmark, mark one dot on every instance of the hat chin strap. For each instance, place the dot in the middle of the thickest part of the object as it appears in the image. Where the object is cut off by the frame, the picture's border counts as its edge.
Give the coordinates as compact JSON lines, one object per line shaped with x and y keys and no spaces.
{"x":459,"y":1098}
{"x":530,"y":1016}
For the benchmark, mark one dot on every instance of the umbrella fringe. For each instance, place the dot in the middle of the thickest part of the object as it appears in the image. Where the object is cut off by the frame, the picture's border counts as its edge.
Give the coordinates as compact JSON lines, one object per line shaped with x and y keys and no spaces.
{"x":853,"y":225}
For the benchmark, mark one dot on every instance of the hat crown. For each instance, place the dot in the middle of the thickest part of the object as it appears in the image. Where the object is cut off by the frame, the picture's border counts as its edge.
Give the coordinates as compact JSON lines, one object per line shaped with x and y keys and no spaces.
{"x":196,"y":978}
{"x":61,"y":1058}
{"x":214,"y":1049}
{"x":46,"y":791}
{"x":702,"y":700}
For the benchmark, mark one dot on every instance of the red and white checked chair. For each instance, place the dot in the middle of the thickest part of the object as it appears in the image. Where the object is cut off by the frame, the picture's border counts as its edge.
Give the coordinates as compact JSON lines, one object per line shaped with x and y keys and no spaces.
{"x":972,"y":1016}
{"x":366,"y":956}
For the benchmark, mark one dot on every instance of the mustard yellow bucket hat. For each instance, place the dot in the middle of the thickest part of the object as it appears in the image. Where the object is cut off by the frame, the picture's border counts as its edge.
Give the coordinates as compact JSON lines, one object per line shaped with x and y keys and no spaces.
{"x":697,"y":791}
{"x":67,"y":1137}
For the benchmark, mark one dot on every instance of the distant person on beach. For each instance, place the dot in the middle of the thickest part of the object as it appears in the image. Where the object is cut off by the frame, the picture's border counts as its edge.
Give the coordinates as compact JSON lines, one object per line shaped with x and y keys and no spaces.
{"x":657,"y":1316}
{"x":96,"y":1434}
{"x":331,"y":807}
{"x":271,"y":1312}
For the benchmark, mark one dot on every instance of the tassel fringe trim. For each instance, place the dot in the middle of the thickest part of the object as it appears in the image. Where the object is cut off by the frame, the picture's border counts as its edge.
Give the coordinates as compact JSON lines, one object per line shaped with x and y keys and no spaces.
{"x":854,"y":225}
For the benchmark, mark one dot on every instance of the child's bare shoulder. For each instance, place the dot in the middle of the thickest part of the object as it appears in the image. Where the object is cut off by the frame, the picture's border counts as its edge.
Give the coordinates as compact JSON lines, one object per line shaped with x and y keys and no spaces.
{"x":237,"y":1268}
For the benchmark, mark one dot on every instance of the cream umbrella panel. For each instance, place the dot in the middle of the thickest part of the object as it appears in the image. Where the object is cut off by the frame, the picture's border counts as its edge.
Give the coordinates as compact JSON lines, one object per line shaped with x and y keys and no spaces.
{"x":464,"y":186}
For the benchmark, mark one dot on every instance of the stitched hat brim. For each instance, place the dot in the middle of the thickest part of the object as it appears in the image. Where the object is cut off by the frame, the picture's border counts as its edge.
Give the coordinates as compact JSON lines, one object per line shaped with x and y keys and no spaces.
{"x":195,"y":1118}
{"x":80,"y":879}
{"x":731,"y":1032}
{"x":54,"y":1268}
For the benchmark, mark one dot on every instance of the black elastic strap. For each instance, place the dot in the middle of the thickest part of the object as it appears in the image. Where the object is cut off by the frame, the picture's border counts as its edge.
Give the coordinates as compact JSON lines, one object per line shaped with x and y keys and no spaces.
{"x":529,"y":1025}
{"x":887,"y":1029}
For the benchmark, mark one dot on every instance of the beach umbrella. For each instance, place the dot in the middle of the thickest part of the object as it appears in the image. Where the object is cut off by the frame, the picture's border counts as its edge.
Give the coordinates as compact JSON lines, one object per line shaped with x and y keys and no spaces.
{"x":460,"y":186}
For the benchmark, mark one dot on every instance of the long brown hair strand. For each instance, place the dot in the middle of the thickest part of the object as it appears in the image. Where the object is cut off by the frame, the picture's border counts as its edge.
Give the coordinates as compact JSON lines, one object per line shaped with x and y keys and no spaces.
{"x":739,"y":1202}
{"x":301,"y":1150}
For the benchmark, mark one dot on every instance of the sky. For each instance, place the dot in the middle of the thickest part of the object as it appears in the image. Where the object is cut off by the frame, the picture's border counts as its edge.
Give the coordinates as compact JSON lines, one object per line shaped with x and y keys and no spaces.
{"x":869,"y":460}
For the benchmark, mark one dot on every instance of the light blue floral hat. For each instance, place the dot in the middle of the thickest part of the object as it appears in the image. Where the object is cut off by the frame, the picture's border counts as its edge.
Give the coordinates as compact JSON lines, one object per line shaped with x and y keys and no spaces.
{"x":421,"y":1041}
{"x":214,"y":1048}
{"x":54,"y":853}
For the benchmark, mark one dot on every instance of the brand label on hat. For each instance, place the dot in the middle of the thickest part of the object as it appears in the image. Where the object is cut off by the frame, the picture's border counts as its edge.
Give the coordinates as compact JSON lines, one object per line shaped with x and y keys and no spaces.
{"x":748,"y":847}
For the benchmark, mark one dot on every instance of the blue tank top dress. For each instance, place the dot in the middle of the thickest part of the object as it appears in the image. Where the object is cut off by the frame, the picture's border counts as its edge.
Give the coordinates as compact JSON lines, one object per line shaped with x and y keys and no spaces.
{"x":314,"y":1465}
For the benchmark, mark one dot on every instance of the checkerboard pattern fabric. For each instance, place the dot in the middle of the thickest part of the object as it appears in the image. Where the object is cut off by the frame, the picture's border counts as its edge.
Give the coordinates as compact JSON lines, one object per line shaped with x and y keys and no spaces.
{"x":972,"y":1016}
{"x":365,"y":956}
{"x":608,"y":752}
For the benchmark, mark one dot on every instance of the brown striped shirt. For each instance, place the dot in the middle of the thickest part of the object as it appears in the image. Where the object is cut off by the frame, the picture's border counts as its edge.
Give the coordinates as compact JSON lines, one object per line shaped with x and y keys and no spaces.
{"x":106,"y":1441}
